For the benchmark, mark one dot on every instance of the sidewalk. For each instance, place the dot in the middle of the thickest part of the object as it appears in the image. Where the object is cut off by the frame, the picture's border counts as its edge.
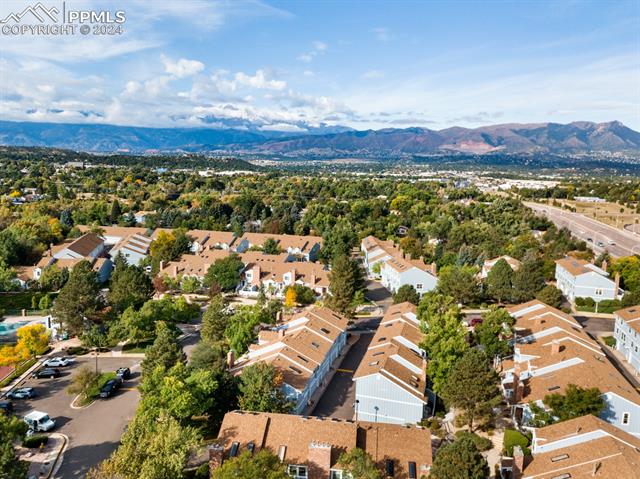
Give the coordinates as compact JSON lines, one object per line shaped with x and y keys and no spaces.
{"x":43,"y":462}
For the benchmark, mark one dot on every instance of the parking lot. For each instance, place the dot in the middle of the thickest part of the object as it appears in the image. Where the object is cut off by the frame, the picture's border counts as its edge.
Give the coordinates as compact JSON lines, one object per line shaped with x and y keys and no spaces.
{"x":93,"y":432}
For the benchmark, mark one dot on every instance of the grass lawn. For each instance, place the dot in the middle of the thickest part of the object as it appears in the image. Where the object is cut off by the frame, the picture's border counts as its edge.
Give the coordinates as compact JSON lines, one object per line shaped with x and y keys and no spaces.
{"x":94,"y":392}
{"x":14,"y":303}
{"x":137,"y":347}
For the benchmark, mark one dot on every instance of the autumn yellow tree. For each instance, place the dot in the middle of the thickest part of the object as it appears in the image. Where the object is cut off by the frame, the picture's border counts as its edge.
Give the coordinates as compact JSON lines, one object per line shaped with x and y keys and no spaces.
{"x":32,"y":339}
{"x":290,"y":298}
{"x":11,"y":356}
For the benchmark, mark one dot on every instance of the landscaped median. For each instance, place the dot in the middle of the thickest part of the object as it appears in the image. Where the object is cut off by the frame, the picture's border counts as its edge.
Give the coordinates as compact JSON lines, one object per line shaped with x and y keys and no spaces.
{"x":86,"y":384}
{"x":18,"y":371}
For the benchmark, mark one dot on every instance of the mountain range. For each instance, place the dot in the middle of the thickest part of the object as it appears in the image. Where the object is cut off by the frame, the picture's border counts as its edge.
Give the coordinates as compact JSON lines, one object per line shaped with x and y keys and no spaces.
{"x":330,"y":141}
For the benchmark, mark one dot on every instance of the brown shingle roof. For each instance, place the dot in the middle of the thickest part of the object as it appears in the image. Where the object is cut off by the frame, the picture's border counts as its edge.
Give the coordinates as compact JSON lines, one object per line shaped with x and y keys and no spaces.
{"x":85,"y":244}
{"x":574,"y":266}
{"x":292,"y":435}
{"x":599,"y":450}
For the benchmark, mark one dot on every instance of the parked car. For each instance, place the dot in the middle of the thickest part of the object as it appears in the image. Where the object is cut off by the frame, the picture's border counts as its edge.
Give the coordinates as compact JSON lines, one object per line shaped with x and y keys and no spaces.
{"x":22,"y":393}
{"x":124,"y":373}
{"x":600,"y":243}
{"x":110,"y":387}
{"x":611,"y":242}
{"x":46,"y":373}
{"x":57,"y":362}
{"x":6,"y":406}
{"x":39,"y":421}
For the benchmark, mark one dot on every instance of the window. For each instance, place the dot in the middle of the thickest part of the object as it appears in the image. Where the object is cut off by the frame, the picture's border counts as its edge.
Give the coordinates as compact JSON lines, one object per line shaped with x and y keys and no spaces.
{"x":419,"y":286}
{"x":324,"y":330}
{"x":234,"y":449}
{"x":388,"y":467}
{"x":314,"y":345}
{"x":338,"y":474}
{"x":625,"y":418}
{"x":298,"y":472}
{"x":413,"y":473}
{"x":282,"y":451}
{"x":553,"y":388}
{"x":295,"y":369}
{"x":250,"y":447}
{"x":303,"y":359}
{"x":598,"y":292}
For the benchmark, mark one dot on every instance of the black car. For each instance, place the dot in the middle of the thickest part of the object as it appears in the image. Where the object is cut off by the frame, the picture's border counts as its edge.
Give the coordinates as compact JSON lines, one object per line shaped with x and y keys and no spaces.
{"x":124,"y":373}
{"x":6,"y":406}
{"x":110,"y":387}
{"x":46,"y":373}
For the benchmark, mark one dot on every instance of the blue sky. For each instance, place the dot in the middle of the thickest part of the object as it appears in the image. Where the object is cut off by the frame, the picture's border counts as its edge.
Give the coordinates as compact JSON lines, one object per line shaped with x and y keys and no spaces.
{"x":298,"y":64}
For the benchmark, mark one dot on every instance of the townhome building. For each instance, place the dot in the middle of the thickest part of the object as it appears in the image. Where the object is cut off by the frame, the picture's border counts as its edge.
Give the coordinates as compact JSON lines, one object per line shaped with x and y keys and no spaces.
{"x":86,"y":246}
{"x":551,"y":352}
{"x":577,"y":278}
{"x":112,"y":235}
{"x":311,"y":447}
{"x":302,"y":350}
{"x":202,"y":240}
{"x":192,"y":265}
{"x":274,"y":273}
{"x":627,"y":335}
{"x":488,"y":265}
{"x":134,"y":248}
{"x":375,"y":251}
{"x":401,"y":271}
{"x":391,"y":383}
{"x":583,"y":447}
{"x":304,"y":248}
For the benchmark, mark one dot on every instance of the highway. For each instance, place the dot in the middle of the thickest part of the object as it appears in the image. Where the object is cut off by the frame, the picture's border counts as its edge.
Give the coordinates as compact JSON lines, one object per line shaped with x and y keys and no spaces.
{"x":625,"y":243}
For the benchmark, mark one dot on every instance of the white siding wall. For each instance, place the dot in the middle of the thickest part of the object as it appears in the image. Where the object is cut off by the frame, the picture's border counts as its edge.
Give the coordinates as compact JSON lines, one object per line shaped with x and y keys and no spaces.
{"x":395,"y":404}
{"x":627,"y":342}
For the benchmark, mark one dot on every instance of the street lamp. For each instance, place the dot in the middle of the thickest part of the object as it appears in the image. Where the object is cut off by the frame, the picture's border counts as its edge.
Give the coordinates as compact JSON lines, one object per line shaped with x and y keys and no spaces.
{"x":355,"y":405}
{"x":376,"y":408}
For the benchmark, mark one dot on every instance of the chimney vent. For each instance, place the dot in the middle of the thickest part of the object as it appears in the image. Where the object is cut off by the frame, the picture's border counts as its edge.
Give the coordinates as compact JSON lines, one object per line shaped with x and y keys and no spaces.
{"x":231,"y":358}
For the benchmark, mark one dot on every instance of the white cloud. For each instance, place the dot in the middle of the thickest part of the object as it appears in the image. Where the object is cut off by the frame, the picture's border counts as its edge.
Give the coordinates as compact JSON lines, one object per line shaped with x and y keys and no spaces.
{"x":182,"y":68}
{"x":260,"y":80}
{"x":318,"y":48}
{"x":372,"y":74}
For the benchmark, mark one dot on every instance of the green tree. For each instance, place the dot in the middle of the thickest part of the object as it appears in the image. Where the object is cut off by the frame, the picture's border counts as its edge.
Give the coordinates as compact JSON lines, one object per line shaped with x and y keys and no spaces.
{"x":260,"y":389}
{"x":445,"y":340}
{"x":83,"y":381}
{"x":130,"y":287}
{"x":472,"y":386}
{"x":359,"y":464}
{"x":345,"y":279}
{"x":53,"y":278}
{"x":241,"y":326}
{"x":270,"y":246}
{"x":499,"y":281}
{"x":78,"y":299}
{"x":116,"y":211}
{"x":460,"y":283}
{"x":494,"y":332}
{"x":165,"y":351}
{"x":460,"y":459}
{"x":11,"y":430}
{"x":214,"y":320}
{"x":154,"y":446}
{"x":207,"y":355}
{"x":264,"y":465}
{"x":225,"y":272}
{"x":7,"y":278}
{"x":528,"y":280}
{"x":575,"y":402}
{"x":406,"y":293}
{"x":550,"y":295}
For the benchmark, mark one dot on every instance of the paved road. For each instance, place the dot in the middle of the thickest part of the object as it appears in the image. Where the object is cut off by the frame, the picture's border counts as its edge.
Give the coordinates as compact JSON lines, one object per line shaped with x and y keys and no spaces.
{"x":626,"y":243}
{"x":379,"y":294}
{"x":93,"y":432}
{"x":340,"y":395}
{"x":596,"y":326}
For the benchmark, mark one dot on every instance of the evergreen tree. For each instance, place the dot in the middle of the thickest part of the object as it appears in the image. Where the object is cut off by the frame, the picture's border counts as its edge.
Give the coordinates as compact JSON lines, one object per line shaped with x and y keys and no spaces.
{"x":460,"y":283}
{"x":214,"y":320}
{"x":224,"y":272}
{"x":459,"y":460}
{"x":130,"y":286}
{"x":494,"y":331}
{"x":550,"y":295}
{"x":528,"y":280}
{"x":11,"y":429}
{"x":499,"y":281}
{"x":345,"y":279}
{"x":116,"y":212}
{"x":165,"y":352}
{"x":78,"y":298}
{"x":472,"y":386}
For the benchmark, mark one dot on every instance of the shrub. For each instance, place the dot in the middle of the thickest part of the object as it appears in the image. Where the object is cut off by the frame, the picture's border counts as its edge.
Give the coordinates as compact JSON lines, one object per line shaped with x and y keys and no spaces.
{"x":482,"y":443}
{"x":609,"y":341}
{"x":515,"y":438}
{"x":77,"y":351}
{"x":35,"y":441}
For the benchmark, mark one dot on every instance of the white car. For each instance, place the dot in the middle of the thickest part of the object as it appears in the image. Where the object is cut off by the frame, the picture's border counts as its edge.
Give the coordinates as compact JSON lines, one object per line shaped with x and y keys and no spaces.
{"x":57,"y":362}
{"x":39,"y":421}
